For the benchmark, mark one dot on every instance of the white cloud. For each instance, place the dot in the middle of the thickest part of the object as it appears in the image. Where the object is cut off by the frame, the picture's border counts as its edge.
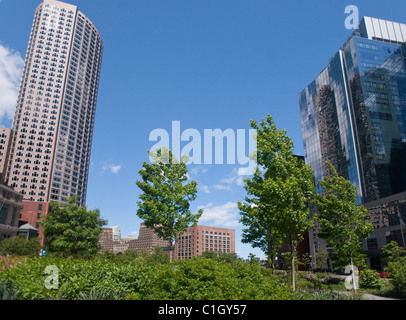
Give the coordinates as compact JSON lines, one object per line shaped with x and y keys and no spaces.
{"x":11,"y":67}
{"x":113,"y":168}
{"x":198,"y":170}
{"x":220,"y":187}
{"x":233,"y":178}
{"x":205,"y":189}
{"x":225,"y":215}
{"x":227,"y":183}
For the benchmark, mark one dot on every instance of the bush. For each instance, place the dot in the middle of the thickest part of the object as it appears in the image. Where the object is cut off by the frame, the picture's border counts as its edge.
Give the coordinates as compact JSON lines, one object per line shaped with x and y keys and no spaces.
{"x":210,"y":279}
{"x":20,"y":247}
{"x":9,"y":261}
{"x":78,"y":279}
{"x":370,"y":279}
{"x":100,"y":279}
{"x":397,"y":272}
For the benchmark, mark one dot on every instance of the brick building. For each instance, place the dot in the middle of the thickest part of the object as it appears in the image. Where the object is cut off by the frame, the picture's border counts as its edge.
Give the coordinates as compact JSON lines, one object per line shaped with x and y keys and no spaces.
{"x":193,"y":242}
{"x":196,"y":240}
{"x":10,"y":206}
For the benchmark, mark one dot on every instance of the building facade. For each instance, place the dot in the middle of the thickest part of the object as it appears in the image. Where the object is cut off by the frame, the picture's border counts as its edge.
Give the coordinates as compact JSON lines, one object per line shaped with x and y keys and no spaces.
{"x":147,"y":240}
{"x":196,"y":240}
{"x":5,"y":138}
{"x":10,"y":207}
{"x":192,"y":243}
{"x":110,"y":239}
{"x":354,"y":113}
{"x":53,"y":123}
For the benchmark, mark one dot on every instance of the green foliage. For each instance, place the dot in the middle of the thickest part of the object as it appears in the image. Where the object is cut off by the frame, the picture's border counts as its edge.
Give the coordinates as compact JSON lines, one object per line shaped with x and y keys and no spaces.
{"x":165,"y":201}
{"x":342,"y":222}
{"x":370,"y":279}
{"x":78,"y":279}
{"x":71,"y":230}
{"x":276,"y":207}
{"x":322,"y":259}
{"x":396,"y":266}
{"x":397,"y":272}
{"x":393,"y":252}
{"x":20,"y":247}
{"x":9,"y":261}
{"x":195,"y":279}
{"x":210,"y":279}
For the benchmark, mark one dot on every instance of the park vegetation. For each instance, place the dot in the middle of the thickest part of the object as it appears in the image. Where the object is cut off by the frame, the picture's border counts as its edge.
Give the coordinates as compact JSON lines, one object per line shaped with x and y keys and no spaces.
{"x":275,"y":215}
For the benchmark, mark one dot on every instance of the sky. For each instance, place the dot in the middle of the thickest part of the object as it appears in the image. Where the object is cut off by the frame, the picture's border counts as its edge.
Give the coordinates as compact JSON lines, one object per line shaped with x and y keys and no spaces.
{"x":206,"y":64}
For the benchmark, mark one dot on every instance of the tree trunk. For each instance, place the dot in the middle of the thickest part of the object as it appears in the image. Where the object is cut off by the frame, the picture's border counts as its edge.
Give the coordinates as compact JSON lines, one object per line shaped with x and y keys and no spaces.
{"x":270,"y":254}
{"x":354,"y":285}
{"x":293,"y":267}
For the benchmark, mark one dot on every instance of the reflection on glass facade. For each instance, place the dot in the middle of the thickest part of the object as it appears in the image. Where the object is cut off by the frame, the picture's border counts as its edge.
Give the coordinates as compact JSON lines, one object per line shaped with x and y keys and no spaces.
{"x":327,"y":124}
{"x":354,"y":116}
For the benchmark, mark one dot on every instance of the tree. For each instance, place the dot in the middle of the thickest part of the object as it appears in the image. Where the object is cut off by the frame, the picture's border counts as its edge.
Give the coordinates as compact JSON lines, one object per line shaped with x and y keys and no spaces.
{"x":396,"y":265}
{"x":276,"y":209}
{"x":71,"y":230}
{"x":342,"y":222}
{"x":165,"y":201}
{"x":259,"y":221}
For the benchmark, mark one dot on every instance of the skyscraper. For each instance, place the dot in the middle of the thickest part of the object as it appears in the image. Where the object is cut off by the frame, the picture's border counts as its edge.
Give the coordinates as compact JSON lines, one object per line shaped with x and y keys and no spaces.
{"x":354,"y":115}
{"x":55,"y":111}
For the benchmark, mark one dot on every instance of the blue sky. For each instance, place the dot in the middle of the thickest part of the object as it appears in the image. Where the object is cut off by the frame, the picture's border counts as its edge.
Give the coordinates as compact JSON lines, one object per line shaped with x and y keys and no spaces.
{"x":206,"y":63}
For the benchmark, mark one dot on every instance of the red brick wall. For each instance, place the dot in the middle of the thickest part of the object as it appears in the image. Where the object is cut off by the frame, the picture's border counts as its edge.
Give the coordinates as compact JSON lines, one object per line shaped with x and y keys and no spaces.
{"x":31,"y":213}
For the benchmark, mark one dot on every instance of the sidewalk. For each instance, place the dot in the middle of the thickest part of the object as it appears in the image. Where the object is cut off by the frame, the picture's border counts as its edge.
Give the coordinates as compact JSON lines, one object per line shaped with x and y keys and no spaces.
{"x":369,"y":296}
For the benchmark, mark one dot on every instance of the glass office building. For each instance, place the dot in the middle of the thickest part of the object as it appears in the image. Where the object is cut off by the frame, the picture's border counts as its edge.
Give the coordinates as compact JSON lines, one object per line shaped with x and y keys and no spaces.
{"x":354,"y":113}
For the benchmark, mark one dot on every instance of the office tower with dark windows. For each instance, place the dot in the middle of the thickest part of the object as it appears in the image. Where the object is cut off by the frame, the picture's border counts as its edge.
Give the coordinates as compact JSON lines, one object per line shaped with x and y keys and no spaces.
{"x":55,"y":112}
{"x":354,"y":116}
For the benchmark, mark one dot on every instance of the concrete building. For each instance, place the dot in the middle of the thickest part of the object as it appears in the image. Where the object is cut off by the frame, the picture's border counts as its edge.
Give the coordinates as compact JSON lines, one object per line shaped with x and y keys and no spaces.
{"x":10,"y":207}
{"x":354,"y":116}
{"x":192,"y":243}
{"x":147,"y":240}
{"x":196,"y":240}
{"x":54,"y":117}
{"x":5,"y":139}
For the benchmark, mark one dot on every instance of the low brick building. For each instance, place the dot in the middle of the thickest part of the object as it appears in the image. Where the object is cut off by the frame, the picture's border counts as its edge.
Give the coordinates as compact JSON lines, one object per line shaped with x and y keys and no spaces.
{"x":10,"y":207}
{"x":196,"y":240}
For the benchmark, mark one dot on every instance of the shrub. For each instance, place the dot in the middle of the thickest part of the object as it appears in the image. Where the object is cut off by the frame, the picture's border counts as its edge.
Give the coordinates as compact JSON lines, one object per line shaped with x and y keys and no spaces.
{"x":78,"y":279}
{"x":210,"y":279}
{"x":370,"y":279}
{"x":9,"y":261}
{"x":397,"y":272}
{"x":20,"y":247}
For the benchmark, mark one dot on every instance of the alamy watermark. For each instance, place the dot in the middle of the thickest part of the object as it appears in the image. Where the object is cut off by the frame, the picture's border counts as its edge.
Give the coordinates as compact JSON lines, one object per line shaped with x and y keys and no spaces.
{"x":230,"y":144}
{"x":351,"y":22}
{"x":52,"y":281}
{"x":352,"y":281}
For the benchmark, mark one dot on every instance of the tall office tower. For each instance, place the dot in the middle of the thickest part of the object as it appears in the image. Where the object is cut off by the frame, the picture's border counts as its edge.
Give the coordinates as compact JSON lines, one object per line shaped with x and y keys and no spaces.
{"x":354,"y":115}
{"x":55,"y":112}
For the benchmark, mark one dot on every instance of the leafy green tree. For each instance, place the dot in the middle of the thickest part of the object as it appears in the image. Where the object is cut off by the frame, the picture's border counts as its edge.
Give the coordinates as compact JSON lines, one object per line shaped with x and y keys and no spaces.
{"x":259,"y":221}
{"x":253,"y":259}
{"x":209,"y":255}
{"x":165,"y":201}
{"x":393,"y":252}
{"x":342,"y":223}
{"x":71,"y":230}
{"x":158,"y":256}
{"x":322,"y":257}
{"x":20,"y":247}
{"x":276,"y":209}
{"x":396,"y":265}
